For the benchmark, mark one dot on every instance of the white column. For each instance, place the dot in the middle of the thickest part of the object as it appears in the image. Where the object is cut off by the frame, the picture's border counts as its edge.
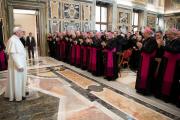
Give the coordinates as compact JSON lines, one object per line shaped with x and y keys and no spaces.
{"x":93,"y":15}
{"x":114,"y":15}
{"x":145,"y":18}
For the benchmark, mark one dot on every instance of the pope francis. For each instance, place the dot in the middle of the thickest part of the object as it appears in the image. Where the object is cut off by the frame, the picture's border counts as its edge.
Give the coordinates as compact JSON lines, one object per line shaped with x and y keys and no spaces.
{"x":17,"y":67}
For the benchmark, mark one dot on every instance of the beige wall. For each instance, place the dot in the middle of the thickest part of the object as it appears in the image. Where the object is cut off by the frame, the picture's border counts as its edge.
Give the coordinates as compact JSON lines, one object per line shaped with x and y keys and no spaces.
{"x":28,"y":22}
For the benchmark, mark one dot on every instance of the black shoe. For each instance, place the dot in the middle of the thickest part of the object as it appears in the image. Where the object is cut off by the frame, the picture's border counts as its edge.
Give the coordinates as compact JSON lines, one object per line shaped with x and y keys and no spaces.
{"x":27,"y":93}
{"x":23,"y":98}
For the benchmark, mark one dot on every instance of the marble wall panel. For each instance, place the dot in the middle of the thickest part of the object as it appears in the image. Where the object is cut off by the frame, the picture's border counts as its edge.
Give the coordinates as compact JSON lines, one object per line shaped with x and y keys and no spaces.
{"x":69,"y":15}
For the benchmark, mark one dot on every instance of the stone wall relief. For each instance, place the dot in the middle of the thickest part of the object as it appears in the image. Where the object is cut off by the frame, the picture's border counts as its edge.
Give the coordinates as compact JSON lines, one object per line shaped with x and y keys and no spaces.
{"x":71,"y":25}
{"x":124,"y":22}
{"x":54,"y":26}
{"x":71,"y":11}
{"x":86,"y":26}
{"x":123,"y":18}
{"x":151,"y":21}
{"x":170,"y":22}
{"x":54,"y":9}
{"x":86,"y":12}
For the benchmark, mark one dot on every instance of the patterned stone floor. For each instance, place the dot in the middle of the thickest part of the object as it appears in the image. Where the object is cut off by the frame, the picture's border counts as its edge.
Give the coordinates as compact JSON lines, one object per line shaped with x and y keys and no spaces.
{"x":59,"y":91}
{"x":42,"y":106}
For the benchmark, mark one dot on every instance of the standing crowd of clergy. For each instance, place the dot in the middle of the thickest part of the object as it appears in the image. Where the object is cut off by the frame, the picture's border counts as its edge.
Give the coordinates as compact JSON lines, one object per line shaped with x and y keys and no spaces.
{"x":154,"y":55}
{"x":95,"y":53}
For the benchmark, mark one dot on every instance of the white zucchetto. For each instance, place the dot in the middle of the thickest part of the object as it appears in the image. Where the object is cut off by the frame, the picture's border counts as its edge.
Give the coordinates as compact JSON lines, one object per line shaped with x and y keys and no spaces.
{"x":16,"y":29}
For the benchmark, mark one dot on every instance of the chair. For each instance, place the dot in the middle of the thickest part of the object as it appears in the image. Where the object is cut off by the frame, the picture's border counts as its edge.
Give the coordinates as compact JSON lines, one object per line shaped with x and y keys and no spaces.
{"x":125,"y":58}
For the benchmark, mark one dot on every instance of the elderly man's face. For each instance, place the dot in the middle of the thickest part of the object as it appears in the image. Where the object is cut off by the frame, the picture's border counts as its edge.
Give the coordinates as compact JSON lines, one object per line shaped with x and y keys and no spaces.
{"x":170,"y":35}
{"x":145,"y":34}
{"x":19,"y":33}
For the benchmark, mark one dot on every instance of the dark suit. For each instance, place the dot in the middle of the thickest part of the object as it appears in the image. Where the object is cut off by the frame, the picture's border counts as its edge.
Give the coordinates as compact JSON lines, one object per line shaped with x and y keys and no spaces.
{"x":22,"y":39}
{"x":30,"y":45}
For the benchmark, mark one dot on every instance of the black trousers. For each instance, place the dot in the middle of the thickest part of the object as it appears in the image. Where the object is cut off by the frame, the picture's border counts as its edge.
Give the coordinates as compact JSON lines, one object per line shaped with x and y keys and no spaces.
{"x":31,"y":51}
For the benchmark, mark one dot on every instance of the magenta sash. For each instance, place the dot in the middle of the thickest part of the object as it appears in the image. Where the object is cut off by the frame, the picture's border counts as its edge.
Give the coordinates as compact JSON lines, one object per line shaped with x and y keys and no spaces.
{"x":94,"y":59}
{"x":169,"y":72}
{"x":2,"y":60}
{"x":146,"y":59}
{"x":73,"y":54}
{"x":62,"y":49}
{"x":78,"y":49}
{"x":84,"y":48}
{"x":109,"y":64}
{"x":90,"y":58}
{"x":60,"y":45}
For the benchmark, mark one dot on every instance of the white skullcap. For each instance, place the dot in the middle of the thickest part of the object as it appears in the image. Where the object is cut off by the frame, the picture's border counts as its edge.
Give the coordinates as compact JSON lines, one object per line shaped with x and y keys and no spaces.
{"x":16,"y":29}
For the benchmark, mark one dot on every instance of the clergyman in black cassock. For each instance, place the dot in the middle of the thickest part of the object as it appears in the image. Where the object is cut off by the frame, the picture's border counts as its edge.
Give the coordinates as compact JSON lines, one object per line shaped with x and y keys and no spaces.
{"x":168,"y":78}
{"x":146,"y":69}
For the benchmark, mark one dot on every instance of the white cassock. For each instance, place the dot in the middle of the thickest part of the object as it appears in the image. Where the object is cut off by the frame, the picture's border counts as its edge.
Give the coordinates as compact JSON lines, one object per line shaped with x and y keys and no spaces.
{"x":16,"y":85}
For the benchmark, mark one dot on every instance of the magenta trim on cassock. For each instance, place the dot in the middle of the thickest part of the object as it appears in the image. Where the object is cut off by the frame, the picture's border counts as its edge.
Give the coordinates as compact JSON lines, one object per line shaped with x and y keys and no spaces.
{"x":169,"y":72}
{"x":146,"y":59}
{"x":84,"y":48}
{"x":94,"y":59}
{"x":2,"y":60}
{"x":90,"y":58}
{"x":62,"y":49}
{"x":109,"y":66}
{"x":73,"y":54}
{"x":78,"y":49}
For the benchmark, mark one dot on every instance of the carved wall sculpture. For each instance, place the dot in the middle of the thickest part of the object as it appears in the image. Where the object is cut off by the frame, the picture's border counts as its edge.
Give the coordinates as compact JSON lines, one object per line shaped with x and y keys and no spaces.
{"x":86,"y":26}
{"x":71,"y":25}
{"x":86,"y":12}
{"x":54,"y":9}
{"x":151,"y":20}
{"x":54,"y":26}
{"x":124,"y":20}
{"x":170,"y":22}
{"x":71,"y":11}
